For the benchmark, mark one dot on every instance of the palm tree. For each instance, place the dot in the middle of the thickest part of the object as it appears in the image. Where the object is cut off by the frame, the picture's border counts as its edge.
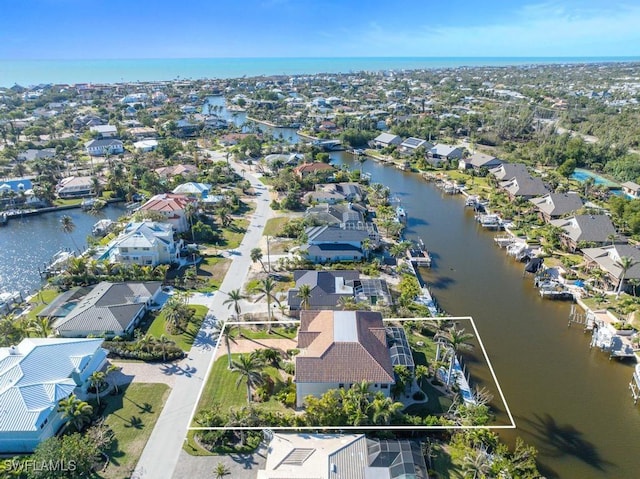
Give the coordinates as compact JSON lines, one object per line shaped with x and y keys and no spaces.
{"x":219,"y":330}
{"x":272,"y":356}
{"x":234,"y":298}
{"x":624,"y":263}
{"x":97,"y":381}
{"x":68,"y":226}
{"x":267,"y":289}
{"x":256,"y":255}
{"x":221,"y":470}
{"x":420,"y":373}
{"x":163,"y":342}
{"x":76,"y":411}
{"x":476,"y":464}
{"x":304,"y":293}
{"x":458,"y":340}
{"x":249,"y":366}
{"x":112,"y":368}
{"x":348,"y":303}
{"x":174,"y":313}
{"x":41,"y":328}
{"x":384,"y":409}
{"x":189,"y":212}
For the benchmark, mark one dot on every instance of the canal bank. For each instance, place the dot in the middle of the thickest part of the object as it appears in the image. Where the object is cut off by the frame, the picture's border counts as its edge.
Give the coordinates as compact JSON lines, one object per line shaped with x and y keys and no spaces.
{"x":28,"y":243}
{"x":569,"y":401}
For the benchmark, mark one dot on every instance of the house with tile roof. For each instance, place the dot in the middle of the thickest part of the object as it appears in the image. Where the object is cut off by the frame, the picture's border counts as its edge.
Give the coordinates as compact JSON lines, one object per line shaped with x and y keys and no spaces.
{"x":107,"y":309}
{"x":595,"y":230}
{"x":168,"y":172}
{"x":306,"y":169}
{"x":172,"y":207}
{"x":35,"y":376}
{"x":337,"y":456}
{"x":339,"y":349}
{"x":555,"y":205}
{"x":146,"y":244}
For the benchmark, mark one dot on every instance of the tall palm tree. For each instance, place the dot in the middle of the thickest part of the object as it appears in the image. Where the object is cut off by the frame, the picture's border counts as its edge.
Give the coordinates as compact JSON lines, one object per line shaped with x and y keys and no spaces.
{"x":68,"y":226}
{"x":174,"y":313}
{"x":256,"y":255}
{"x":40,"y":328}
{"x":190,"y":212}
{"x":384,"y":409}
{"x":249,"y":367}
{"x":112,"y":368}
{"x":78,"y":412}
{"x":304,"y":293}
{"x":220,"y":330}
{"x":458,"y":340}
{"x":163,"y":342}
{"x":348,"y":303}
{"x":624,"y":263}
{"x":267,"y":290}
{"x":234,"y":298}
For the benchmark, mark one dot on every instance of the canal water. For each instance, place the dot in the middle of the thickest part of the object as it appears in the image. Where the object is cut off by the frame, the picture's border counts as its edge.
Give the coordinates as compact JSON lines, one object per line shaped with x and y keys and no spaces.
{"x":28,"y":243}
{"x":569,"y":401}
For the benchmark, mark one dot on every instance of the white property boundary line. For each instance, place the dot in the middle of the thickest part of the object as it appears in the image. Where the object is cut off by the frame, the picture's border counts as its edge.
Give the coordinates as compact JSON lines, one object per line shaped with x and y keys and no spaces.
{"x":512,"y":424}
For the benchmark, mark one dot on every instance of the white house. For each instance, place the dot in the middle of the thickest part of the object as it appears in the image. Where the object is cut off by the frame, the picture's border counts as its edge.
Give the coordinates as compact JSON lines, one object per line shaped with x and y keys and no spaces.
{"x":76,"y":187}
{"x":103,"y":147}
{"x":172,"y":207}
{"x":35,"y":376}
{"x":339,"y":349}
{"x":145,"y":244}
{"x":146,"y":146}
{"x":105,"y":131}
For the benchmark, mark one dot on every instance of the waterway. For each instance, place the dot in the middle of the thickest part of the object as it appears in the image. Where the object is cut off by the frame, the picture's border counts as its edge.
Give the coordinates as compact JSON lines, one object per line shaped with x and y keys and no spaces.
{"x":570,"y":402}
{"x":27,"y":244}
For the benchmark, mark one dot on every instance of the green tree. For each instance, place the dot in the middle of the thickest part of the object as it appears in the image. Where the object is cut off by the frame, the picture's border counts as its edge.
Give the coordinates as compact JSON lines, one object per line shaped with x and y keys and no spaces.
{"x":97,"y":381}
{"x":233,"y":299}
{"x":304,"y":293}
{"x":267,"y":290}
{"x":221,"y":470}
{"x":77,"y":412}
{"x":68,"y":226}
{"x":249,"y":368}
{"x":75,"y":454}
{"x":256,"y":255}
{"x":624,"y":263}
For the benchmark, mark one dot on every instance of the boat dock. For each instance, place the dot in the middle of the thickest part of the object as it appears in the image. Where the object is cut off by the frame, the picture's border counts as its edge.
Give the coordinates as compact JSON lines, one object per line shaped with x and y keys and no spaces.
{"x":418,"y":255}
{"x":634,"y":385}
{"x":617,"y":343}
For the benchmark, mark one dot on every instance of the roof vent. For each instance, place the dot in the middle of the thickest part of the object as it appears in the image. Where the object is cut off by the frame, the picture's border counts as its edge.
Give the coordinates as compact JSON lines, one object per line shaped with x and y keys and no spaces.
{"x":13,"y":350}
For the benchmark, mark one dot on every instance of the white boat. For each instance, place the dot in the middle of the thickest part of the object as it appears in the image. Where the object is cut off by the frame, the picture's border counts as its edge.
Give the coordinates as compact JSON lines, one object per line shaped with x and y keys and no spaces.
{"x":401,"y":214}
{"x":9,"y":300}
{"x":471,"y":201}
{"x":58,"y":263}
{"x":490,"y":221}
{"x":102,"y":227}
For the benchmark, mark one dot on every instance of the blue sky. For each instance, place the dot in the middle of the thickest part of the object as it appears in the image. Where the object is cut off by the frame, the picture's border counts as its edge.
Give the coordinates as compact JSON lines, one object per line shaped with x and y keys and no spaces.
{"x":96,"y":29}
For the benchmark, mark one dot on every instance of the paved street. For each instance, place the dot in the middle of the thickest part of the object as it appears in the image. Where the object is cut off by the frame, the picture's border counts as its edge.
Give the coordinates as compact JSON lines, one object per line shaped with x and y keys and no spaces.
{"x":162,"y":452}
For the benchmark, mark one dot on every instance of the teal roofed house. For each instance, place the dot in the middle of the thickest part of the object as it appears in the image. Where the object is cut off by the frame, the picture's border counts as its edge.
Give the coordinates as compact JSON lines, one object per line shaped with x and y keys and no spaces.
{"x":35,"y":376}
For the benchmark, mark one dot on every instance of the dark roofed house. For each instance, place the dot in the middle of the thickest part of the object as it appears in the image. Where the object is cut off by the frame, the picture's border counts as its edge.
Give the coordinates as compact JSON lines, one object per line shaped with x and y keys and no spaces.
{"x":411,"y":144}
{"x":109,"y":309}
{"x":386,"y":139}
{"x":339,"y":349}
{"x":524,"y":186}
{"x":595,"y":230}
{"x":506,"y":171}
{"x":327,"y":287}
{"x":479,"y":160}
{"x":555,"y":205}
{"x":607,"y":258}
{"x":329,"y":243}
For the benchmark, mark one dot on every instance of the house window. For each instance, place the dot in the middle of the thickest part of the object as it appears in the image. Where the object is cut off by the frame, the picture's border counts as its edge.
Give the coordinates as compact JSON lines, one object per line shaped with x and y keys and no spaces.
{"x":384,"y":386}
{"x":44,"y":423}
{"x":341,"y":385}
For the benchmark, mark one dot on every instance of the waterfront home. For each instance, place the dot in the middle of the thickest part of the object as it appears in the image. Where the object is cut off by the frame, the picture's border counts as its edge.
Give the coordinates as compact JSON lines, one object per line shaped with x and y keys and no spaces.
{"x":507,"y":171}
{"x":327,"y":287}
{"x":306,"y":169}
{"x":607,"y":259}
{"x":411,"y":144}
{"x":145,"y":244}
{"x":344,"y":215}
{"x":524,"y":186}
{"x":476,"y":161}
{"x":555,"y":205}
{"x":339,"y":349}
{"x":106,"y":309}
{"x":172,"y":207}
{"x":386,"y":139}
{"x":278,"y":160}
{"x":332,"y":456}
{"x":104,"y":131}
{"x":35,"y":376}
{"x":168,"y":172}
{"x":593,"y":230}
{"x":335,"y":193}
{"x":18,"y":191}
{"x":76,"y":187}
{"x":631,"y":189}
{"x":143,"y":132}
{"x":327,"y":244}
{"x":441,"y":152}
{"x":108,"y":146}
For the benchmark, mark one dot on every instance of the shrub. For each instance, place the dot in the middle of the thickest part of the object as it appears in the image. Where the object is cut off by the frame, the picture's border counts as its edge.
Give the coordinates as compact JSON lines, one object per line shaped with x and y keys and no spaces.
{"x":289,"y":368}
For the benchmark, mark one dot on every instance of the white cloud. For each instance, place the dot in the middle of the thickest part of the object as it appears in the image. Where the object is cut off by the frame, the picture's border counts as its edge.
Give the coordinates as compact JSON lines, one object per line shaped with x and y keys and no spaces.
{"x":544,"y":29}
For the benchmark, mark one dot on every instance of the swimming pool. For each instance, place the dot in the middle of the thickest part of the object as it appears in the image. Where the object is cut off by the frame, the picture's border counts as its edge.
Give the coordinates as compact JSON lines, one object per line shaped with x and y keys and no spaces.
{"x":581,"y":175}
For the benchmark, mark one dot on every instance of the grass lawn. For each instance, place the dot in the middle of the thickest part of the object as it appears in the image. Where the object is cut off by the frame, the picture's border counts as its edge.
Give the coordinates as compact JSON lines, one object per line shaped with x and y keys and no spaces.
{"x":131,"y":415}
{"x":40,"y":301}
{"x":212,"y":270}
{"x":274,"y":225}
{"x":184,"y":340}
{"x":276,"y":332}
{"x":234,"y":233}
{"x":221,"y":389}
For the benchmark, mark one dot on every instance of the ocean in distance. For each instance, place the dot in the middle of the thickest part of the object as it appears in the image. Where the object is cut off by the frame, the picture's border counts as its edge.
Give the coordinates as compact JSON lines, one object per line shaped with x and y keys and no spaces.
{"x":35,"y":72}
